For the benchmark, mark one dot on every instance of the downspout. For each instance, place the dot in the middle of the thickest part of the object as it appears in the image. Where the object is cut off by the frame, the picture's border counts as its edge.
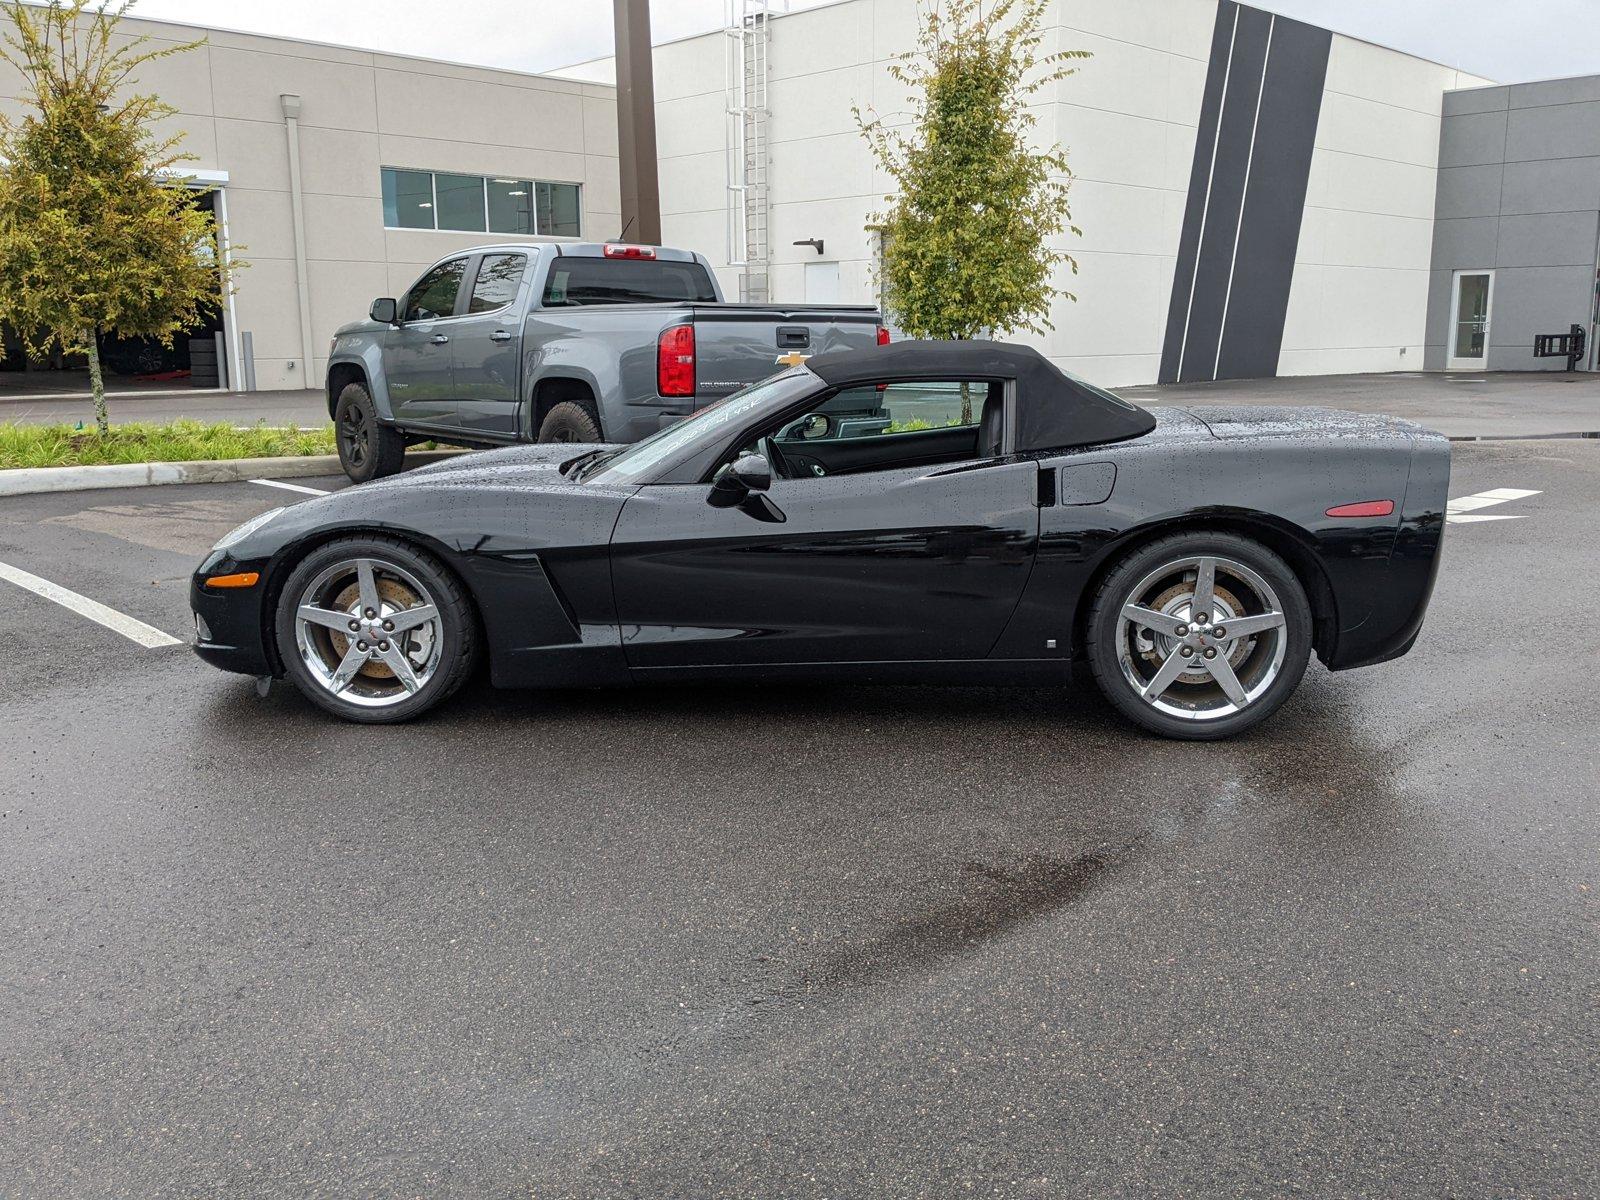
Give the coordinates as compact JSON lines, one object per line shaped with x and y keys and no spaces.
{"x":297,"y":204}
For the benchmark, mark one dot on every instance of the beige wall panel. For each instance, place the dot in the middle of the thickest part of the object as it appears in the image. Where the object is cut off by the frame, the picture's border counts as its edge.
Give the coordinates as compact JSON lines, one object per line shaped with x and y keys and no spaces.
{"x":346,"y":228}
{"x":339,"y":162}
{"x":250,"y":84}
{"x":260,"y":223}
{"x":254,"y":153}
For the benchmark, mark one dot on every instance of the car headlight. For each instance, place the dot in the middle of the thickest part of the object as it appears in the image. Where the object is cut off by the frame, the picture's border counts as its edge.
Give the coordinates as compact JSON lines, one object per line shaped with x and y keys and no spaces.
{"x":238,"y":535}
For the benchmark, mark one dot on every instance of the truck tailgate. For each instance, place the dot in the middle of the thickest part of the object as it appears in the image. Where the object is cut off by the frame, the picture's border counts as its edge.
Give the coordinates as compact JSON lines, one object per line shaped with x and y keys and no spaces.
{"x":737,"y":344}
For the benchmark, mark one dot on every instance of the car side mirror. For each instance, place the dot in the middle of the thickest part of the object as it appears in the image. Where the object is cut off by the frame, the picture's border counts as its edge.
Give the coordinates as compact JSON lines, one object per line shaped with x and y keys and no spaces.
{"x":734,"y":483}
{"x":385,"y":311}
{"x":815,"y":425}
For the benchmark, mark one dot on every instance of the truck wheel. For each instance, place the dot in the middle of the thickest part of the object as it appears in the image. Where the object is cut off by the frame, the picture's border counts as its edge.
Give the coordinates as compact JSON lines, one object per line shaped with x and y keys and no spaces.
{"x":570,"y":421}
{"x":368,"y":448}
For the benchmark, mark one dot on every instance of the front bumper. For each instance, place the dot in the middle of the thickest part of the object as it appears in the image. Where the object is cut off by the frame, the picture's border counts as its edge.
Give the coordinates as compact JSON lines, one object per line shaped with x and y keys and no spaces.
{"x":230,"y":626}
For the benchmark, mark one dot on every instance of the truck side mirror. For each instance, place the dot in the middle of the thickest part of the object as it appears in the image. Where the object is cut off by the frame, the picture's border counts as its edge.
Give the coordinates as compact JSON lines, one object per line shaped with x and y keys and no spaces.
{"x":385,"y":311}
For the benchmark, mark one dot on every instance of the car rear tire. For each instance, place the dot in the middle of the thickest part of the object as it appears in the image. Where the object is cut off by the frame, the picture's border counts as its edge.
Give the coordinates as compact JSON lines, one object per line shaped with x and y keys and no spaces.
{"x":375,"y":629}
{"x":1160,"y":644}
{"x":368,"y":449}
{"x":570,"y":421}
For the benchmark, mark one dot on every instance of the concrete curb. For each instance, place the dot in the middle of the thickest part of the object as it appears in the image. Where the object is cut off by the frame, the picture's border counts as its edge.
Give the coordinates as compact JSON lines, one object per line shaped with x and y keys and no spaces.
{"x":26,"y":481}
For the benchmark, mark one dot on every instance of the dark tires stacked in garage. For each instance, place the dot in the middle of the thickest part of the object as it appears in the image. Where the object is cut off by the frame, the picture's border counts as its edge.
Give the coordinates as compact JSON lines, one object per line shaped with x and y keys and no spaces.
{"x":1199,"y":635}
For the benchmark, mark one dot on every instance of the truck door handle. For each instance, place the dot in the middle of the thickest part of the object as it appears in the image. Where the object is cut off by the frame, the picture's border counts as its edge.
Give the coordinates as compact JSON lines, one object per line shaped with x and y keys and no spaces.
{"x":499,"y":335}
{"x":439,"y":339}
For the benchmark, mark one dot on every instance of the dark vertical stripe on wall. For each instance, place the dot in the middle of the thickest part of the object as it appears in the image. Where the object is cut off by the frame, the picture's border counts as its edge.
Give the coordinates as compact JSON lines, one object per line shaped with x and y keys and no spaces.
{"x":1247,"y":192}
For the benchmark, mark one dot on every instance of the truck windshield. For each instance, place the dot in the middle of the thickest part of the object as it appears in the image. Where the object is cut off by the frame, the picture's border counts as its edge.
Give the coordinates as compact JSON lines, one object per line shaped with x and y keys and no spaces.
{"x":638,"y":462}
{"x":578,"y":280}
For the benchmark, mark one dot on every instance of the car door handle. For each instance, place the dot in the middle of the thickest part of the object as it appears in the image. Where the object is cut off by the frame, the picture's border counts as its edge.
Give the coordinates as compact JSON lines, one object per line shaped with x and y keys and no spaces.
{"x":439,"y":339}
{"x":499,"y":335}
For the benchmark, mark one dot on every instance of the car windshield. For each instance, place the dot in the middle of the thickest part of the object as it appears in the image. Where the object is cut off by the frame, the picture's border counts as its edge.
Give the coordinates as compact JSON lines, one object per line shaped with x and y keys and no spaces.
{"x":636,"y":463}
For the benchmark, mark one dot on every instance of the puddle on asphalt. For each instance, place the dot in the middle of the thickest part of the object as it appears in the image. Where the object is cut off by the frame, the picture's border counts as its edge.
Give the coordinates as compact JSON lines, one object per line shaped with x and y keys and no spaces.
{"x":989,"y":901}
{"x":993,"y":900}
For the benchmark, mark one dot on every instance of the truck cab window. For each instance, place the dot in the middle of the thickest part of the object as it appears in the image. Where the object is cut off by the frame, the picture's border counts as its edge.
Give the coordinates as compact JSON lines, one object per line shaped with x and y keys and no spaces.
{"x":499,"y":276}
{"x":578,"y":279}
{"x":434,"y":295}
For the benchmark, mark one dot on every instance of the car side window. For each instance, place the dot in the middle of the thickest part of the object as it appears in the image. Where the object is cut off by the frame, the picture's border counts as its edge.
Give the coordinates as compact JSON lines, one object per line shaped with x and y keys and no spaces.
{"x":499,"y":276}
{"x":882,"y":427}
{"x":434,"y":295}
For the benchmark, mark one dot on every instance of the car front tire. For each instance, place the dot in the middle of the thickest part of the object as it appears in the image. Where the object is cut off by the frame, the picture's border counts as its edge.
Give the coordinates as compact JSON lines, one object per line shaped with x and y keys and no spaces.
{"x":368,"y":449}
{"x":1199,"y":635}
{"x":375,"y":630}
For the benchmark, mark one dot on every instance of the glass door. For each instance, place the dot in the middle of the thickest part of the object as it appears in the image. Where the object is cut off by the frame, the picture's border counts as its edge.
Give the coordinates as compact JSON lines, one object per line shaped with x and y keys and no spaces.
{"x":1469,"y":319}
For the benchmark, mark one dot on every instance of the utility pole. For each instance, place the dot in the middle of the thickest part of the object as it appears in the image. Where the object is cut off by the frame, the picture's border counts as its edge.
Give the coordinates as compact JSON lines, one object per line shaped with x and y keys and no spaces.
{"x":636,"y":123}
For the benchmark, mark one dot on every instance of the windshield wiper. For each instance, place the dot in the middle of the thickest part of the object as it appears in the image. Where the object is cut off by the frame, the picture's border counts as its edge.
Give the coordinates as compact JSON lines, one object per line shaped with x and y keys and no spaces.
{"x":573,"y":467}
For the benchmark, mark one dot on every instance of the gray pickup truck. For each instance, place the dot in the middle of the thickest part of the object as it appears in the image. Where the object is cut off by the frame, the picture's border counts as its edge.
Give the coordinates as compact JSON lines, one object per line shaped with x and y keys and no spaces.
{"x":595,"y":342}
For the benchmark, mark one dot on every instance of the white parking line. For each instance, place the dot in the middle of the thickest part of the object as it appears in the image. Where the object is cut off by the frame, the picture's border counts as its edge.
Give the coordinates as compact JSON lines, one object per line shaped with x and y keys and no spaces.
{"x":134,"y":630}
{"x":291,"y":487}
{"x":1460,"y":510}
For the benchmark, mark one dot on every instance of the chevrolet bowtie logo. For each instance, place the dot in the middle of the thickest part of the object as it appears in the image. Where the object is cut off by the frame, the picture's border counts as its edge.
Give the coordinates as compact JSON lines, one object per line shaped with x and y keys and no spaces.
{"x":792,"y":359}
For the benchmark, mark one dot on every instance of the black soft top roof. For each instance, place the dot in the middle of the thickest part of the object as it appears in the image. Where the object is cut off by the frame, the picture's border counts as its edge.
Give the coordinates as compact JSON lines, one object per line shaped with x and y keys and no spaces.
{"x":1053,"y":408}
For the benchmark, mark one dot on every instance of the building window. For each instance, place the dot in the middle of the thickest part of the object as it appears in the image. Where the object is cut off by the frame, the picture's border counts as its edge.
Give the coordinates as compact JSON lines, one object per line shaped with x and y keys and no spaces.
{"x":478,"y":204}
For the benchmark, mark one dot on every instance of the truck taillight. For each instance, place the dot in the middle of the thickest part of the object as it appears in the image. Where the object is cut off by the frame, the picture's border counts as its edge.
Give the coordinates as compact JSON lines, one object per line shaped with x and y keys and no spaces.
{"x":617,"y":250}
{"x":675,"y":361}
{"x":883,"y":335}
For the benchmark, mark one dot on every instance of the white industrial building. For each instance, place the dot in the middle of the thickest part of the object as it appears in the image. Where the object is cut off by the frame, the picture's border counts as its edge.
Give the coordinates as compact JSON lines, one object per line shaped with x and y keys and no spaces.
{"x":1354,"y":269}
{"x":1257,"y":195}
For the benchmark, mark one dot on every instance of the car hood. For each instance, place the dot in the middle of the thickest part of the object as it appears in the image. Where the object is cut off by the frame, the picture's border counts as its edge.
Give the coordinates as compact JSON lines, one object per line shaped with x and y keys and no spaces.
{"x":497,"y":465}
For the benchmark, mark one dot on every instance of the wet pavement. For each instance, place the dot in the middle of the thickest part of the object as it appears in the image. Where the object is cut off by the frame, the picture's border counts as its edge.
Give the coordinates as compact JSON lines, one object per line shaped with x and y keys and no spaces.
{"x":815,"y":942}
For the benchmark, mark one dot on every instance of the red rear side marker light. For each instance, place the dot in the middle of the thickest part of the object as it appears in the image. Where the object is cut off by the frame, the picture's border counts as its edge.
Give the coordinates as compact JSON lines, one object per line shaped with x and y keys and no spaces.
{"x":617,"y":250}
{"x":883,"y":335}
{"x":1364,"y":508}
{"x":675,"y":361}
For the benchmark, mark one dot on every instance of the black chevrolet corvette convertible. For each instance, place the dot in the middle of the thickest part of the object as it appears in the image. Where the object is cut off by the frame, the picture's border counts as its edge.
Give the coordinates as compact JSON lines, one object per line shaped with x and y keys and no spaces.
{"x":938,"y":512}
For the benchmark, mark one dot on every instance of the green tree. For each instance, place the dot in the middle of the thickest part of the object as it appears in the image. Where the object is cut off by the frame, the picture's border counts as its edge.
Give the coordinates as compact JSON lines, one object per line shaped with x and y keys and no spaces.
{"x":97,"y":233}
{"x":968,"y":241}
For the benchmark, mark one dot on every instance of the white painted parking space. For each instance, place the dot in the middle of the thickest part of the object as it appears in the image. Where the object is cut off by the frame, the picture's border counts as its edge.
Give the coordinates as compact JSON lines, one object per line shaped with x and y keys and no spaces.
{"x":291,"y":487}
{"x":129,"y":627}
{"x":1462,"y":510}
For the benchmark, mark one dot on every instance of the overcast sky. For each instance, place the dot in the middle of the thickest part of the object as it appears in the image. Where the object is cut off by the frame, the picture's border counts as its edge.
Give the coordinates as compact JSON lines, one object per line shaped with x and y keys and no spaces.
{"x":1507,"y":40}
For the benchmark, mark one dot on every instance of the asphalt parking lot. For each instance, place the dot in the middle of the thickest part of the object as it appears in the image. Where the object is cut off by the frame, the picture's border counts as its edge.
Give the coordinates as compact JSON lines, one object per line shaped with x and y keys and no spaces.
{"x":822,"y":941}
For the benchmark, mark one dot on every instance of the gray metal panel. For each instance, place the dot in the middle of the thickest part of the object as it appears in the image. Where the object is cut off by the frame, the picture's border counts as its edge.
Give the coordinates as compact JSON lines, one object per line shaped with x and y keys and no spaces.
{"x":1247,"y":188}
{"x":1561,"y":131}
{"x":1460,"y":243}
{"x":1280,"y":172}
{"x":1555,"y":91}
{"x":1475,"y":100}
{"x":1533,"y":300}
{"x":1558,"y":185}
{"x":1215,"y":269}
{"x":1468,"y":192}
{"x":1438,"y":320}
{"x":1473,"y":139}
{"x":1199,"y":180}
{"x":1547,"y":240}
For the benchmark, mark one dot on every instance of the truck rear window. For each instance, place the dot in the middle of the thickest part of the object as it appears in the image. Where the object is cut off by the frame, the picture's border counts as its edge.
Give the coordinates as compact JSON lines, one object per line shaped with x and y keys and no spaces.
{"x":575,"y":281}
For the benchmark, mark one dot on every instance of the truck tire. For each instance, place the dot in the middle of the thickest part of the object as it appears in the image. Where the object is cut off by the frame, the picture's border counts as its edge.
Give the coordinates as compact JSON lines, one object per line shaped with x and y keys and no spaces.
{"x":570,"y":421}
{"x":368,"y":449}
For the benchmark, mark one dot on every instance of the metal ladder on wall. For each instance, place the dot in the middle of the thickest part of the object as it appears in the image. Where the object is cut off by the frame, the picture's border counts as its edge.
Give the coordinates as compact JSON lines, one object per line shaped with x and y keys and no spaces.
{"x":747,"y":142}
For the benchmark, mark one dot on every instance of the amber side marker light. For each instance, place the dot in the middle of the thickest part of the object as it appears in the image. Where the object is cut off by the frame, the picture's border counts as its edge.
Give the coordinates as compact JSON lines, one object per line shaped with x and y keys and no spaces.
{"x":1365,"y":508}
{"x":243,"y":579}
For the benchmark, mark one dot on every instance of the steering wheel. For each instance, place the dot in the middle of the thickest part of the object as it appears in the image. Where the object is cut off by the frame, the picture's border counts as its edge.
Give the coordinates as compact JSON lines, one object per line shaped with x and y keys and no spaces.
{"x":774,"y":457}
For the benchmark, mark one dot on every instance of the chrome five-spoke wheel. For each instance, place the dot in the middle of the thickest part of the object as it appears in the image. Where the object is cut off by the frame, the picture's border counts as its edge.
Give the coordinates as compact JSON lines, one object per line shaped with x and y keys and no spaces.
{"x":368,"y":631}
{"x":375,"y":629}
{"x":1200,"y":635}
